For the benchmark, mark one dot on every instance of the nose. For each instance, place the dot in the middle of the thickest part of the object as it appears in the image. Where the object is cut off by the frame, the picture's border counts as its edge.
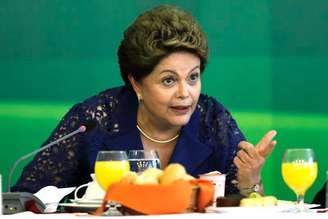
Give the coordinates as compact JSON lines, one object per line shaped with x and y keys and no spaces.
{"x":182,"y":92}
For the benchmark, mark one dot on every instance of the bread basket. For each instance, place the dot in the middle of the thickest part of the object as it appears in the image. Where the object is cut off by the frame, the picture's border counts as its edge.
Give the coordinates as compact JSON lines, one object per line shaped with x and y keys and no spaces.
{"x":178,"y":197}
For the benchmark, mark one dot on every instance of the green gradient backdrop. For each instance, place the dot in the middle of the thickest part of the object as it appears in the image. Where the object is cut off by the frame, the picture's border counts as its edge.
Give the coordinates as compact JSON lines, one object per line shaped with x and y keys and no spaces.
{"x":268,"y":63}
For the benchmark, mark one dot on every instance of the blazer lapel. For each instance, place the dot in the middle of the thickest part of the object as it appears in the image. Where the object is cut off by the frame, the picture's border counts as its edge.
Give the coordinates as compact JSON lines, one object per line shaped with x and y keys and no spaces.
{"x":125,"y":141}
{"x":189,"y":151}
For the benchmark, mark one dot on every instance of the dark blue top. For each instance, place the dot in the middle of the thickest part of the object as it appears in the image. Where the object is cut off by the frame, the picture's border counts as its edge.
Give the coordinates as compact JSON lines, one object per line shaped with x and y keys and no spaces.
{"x":207,"y":143}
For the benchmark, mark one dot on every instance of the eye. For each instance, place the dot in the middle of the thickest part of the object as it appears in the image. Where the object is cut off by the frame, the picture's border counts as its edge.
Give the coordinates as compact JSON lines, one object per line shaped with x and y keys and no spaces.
{"x":168,"y":81}
{"x":193,"y":78}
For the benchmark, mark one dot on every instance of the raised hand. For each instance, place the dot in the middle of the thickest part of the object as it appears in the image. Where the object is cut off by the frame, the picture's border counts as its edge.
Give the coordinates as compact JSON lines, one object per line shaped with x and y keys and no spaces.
{"x":250,"y":159}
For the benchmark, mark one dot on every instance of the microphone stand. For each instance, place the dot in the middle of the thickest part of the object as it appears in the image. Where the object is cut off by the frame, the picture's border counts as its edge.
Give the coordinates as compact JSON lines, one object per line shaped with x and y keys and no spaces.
{"x":14,"y":202}
{"x":81,"y":129}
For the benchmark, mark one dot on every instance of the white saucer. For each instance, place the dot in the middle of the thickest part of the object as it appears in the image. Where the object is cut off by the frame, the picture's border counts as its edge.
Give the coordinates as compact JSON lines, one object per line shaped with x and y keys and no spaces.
{"x":281,"y":208}
{"x":87,"y":201}
{"x":77,"y":207}
{"x":74,"y":207}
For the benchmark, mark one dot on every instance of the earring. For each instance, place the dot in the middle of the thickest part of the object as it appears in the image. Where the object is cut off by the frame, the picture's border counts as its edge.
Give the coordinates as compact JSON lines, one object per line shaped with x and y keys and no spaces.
{"x":139,"y":98}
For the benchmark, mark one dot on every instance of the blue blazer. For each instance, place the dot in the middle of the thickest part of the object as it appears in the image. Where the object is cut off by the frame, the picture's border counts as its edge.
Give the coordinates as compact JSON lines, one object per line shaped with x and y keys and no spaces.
{"x":208,"y":142}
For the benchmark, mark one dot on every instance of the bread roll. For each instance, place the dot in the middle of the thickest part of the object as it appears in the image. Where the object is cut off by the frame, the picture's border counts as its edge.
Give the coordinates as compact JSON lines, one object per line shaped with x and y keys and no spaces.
{"x":172,"y":173}
{"x":188,"y":177}
{"x":129,"y":177}
{"x":143,"y":180}
{"x":154,"y":172}
{"x":149,"y":176}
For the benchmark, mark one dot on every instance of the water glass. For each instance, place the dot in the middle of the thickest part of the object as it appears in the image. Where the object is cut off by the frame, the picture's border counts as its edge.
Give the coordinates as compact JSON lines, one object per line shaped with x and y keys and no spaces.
{"x":327,"y":189}
{"x":143,"y":159}
{"x":0,"y":194}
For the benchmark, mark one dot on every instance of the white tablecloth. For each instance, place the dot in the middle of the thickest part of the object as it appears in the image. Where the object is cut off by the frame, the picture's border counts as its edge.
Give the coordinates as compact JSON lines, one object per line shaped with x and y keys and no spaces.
{"x":230,"y":215}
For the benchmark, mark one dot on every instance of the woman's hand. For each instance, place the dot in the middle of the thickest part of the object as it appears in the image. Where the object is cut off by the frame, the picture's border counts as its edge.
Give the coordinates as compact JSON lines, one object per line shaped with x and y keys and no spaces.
{"x":250,"y":159}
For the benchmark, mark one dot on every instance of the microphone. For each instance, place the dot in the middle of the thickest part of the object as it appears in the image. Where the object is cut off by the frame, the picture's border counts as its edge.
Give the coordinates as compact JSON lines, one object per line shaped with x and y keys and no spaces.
{"x":10,"y":199}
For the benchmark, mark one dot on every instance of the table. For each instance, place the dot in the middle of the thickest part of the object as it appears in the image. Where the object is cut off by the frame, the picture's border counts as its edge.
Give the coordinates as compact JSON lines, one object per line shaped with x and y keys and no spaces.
{"x":237,"y":214}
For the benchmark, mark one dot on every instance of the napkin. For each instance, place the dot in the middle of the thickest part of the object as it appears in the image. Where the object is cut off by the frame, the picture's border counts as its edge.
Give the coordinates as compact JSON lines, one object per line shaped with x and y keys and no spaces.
{"x":51,"y":196}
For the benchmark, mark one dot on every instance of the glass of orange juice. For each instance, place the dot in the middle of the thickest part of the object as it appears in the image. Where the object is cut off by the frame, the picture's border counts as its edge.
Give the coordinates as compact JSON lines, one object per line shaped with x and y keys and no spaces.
{"x":110,"y":167}
{"x":299,"y":171}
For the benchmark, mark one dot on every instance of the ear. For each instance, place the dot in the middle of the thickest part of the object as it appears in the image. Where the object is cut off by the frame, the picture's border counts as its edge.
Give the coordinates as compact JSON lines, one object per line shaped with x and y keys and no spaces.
{"x":135,"y":85}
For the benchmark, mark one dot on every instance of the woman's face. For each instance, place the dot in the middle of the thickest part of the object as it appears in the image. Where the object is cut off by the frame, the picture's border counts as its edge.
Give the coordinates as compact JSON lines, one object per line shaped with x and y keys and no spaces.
{"x":170,"y":92}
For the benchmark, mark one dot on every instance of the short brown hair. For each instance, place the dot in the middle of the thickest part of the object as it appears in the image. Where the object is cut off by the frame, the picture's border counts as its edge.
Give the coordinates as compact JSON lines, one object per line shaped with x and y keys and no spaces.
{"x":154,"y":35}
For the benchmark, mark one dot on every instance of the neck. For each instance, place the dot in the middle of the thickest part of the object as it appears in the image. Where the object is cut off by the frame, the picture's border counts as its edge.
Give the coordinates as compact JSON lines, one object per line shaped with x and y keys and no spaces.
{"x":154,"y":131}
{"x":157,"y":140}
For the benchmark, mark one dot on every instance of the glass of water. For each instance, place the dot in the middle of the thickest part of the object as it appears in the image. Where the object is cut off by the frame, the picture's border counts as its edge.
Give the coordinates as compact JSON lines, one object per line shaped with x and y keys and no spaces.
{"x":143,"y":159}
{"x":0,"y":194}
{"x":326,"y":189}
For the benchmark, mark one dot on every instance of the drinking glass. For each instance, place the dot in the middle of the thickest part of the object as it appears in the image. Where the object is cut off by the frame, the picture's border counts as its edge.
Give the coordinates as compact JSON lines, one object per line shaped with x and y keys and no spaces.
{"x":110,"y":167}
{"x":0,"y":195}
{"x":326,"y":189}
{"x":143,"y":159}
{"x":299,"y":171}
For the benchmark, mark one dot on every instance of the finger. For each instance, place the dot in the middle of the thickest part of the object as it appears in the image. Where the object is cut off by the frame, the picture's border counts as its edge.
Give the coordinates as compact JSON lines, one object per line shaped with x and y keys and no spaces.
{"x":239,"y":164}
{"x":269,"y":148}
{"x":249,"y":149}
{"x":265,"y":151}
{"x":244,"y":145}
{"x":266,"y":145}
{"x":267,"y":138}
{"x":245,"y":158}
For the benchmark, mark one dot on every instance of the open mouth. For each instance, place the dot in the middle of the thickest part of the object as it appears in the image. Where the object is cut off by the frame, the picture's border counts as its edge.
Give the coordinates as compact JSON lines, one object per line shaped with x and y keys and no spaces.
{"x":180,"y":109}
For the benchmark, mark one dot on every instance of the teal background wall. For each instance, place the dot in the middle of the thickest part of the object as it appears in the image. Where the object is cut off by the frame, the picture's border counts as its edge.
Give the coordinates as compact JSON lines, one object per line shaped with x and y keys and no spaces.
{"x":268,"y":64}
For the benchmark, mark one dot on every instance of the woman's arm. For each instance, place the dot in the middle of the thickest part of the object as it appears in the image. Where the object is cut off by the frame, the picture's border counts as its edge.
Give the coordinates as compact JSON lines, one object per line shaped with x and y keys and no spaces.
{"x":58,"y":164}
{"x":243,"y":160}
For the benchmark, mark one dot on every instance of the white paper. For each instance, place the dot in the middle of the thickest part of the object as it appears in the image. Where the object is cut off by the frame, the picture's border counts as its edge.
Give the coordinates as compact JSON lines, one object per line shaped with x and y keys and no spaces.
{"x":51,"y":196}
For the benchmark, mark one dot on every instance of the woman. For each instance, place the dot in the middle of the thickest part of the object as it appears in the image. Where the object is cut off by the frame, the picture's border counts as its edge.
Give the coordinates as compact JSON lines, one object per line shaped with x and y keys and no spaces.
{"x":161,"y":57}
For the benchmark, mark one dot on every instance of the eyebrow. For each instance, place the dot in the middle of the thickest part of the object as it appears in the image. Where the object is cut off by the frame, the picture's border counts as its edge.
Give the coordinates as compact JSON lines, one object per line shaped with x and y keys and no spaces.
{"x":172,"y":71}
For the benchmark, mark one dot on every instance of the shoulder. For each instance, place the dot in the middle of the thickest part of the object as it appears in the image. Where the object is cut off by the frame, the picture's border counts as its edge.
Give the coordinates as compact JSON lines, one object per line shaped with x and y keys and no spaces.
{"x":217,"y":123}
{"x":210,"y":109}
{"x":111,"y":95}
{"x":99,"y":106}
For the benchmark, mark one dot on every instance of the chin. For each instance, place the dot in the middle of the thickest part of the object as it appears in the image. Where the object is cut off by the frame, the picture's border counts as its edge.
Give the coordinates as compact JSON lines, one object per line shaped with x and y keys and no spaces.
{"x":180,"y":121}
